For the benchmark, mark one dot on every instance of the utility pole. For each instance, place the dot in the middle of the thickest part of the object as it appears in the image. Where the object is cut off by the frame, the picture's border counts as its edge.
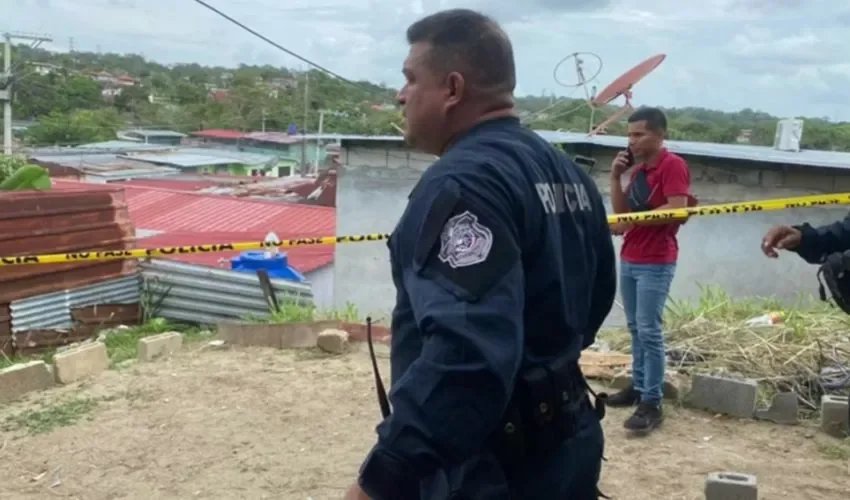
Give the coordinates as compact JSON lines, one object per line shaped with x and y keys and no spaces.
{"x":304,"y":127}
{"x":6,"y":84}
{"x":319,"y":139}
{"x":264,"y":120}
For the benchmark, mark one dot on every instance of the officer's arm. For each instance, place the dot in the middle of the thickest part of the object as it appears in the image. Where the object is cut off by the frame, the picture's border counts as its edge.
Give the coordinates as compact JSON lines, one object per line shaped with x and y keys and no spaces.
{"x":818,"y":242}
{"x":465,"y":281}
{"x":605,"y":284}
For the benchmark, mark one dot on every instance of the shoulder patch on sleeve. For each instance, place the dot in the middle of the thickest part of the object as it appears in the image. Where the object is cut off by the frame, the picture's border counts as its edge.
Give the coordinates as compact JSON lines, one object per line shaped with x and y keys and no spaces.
{"x":469,"y":250}
{"x":464,"y":241}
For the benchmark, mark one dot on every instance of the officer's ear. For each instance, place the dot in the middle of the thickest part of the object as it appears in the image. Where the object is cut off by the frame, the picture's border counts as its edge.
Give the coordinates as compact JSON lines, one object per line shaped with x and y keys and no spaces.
{"x":455,"y":87}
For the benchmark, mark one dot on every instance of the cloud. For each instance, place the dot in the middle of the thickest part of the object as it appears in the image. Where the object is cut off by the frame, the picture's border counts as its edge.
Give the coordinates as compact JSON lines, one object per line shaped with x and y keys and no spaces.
{"x":787,"y":57}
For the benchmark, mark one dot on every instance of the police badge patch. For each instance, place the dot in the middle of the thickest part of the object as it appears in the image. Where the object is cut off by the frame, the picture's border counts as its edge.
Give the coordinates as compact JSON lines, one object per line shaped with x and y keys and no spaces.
{"x":464,"y":241}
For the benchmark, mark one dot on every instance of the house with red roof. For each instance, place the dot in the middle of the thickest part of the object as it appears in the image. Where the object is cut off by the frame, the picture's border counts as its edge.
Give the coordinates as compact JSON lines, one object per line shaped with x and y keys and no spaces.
{"x":167,"y":217}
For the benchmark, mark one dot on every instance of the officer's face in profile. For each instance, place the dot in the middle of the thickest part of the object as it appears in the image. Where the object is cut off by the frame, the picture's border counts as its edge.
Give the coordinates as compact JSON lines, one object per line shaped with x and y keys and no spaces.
{"x":643,"y":141}
{"x":426,"y":98}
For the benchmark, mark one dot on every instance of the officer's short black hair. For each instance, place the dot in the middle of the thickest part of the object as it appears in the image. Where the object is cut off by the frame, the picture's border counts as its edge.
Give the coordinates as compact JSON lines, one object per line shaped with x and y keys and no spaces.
{"x":468,"y":42}
{"x":655,"y":119}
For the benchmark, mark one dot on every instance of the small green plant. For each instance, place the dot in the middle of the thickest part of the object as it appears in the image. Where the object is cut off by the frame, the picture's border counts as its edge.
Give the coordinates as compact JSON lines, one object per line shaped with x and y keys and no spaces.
{"x":122,"y":344}
{"x":839,"y":450}
{"x":53,"y":416}
{"x":294,"y":312}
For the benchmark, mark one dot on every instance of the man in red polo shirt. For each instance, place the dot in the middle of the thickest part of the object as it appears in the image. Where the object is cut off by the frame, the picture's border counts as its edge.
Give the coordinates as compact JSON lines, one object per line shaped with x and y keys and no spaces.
{"x":660,"y":181}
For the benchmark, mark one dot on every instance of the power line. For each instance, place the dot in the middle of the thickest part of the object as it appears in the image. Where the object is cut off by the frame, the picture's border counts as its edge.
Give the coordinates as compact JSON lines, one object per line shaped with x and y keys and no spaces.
{"x":279,"y":46}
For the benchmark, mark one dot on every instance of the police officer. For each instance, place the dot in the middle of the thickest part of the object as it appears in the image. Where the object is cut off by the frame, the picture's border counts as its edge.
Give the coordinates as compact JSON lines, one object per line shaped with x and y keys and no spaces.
{"x":505,"y":270}
{"x":811,"y":243}
{"x":827,"y":245}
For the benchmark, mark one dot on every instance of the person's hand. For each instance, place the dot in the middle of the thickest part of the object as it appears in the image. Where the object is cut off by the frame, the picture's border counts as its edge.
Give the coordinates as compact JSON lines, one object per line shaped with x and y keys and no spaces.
{"x":780,"y":238}
{"x":355,"y":493}
{"x":620,"y":164}
{"x":620,"y":228}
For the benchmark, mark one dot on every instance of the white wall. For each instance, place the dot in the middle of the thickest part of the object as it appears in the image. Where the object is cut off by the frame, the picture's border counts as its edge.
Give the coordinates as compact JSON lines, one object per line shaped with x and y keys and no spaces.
{"x":322,"y":282}
{"x":723,"y":250}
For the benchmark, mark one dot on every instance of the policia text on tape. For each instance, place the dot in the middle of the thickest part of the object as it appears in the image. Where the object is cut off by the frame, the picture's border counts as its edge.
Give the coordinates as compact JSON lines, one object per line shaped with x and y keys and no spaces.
{"x":635,"y":218}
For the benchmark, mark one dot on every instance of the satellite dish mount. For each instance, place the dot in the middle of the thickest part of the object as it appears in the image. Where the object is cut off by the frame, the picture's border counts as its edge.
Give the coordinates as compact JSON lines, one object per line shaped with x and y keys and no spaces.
{"x":623,"y":86}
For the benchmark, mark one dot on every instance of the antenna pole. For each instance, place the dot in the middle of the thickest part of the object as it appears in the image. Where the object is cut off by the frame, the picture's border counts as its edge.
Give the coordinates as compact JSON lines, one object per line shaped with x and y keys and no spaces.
{"x":6,"y":84}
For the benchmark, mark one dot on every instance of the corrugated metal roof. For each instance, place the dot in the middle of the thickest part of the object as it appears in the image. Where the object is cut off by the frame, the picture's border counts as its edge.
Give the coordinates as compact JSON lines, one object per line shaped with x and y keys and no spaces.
{"x":53,"y":310}
{"x":172,"y":184}
{"x":219,"y":133}
{"x":106,"y":165}
{"x":275,"y":137}
{"x":172,"y":211}
{"x":200,"y":157}
{"x":813,"y":158}
{"x":809,"y":157}
{"x":153,"y":133}
{"x":208,"y":296}
{"x":124,"y":146}
{"x":192,"y":219}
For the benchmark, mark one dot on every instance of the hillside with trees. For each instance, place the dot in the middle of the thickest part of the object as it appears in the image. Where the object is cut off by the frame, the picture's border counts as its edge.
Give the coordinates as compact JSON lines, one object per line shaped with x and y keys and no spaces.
{"x":84,"y":97}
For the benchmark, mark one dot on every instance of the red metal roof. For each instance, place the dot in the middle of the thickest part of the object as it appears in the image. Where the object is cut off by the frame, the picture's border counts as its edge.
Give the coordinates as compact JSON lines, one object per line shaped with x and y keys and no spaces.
{"x":192,"y":218}
{"x":172,"y":184}
{"x":188,"y":218}
{"x":218,"y":133}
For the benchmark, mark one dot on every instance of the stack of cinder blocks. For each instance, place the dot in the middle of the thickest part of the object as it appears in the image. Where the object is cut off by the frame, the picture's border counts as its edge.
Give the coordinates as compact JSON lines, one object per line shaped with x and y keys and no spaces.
{"x":731,"y":486}
{"x":76,"y":363}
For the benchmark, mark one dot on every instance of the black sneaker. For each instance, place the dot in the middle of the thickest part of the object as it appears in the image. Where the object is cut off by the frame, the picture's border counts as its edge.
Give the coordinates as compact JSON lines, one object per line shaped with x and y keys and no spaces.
{"x":646,"y":417}
{"x":623,"y":399}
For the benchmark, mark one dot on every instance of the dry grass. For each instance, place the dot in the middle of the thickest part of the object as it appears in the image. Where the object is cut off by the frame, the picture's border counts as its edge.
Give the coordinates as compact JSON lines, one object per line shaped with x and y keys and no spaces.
{"x":808,"y":352}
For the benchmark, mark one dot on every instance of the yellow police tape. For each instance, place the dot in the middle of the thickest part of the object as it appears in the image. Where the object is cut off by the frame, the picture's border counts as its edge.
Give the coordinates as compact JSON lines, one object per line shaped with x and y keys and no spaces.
{"x":636,"y":218}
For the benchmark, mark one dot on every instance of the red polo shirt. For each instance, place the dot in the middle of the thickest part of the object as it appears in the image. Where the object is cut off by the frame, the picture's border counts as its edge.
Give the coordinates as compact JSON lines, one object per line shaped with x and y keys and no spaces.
{"x":669,"y":176}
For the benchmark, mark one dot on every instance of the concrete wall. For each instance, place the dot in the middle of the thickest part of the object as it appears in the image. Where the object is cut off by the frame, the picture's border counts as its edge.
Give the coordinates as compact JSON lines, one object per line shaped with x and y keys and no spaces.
{"x":322,"y":282}
{"x":722,"y":250}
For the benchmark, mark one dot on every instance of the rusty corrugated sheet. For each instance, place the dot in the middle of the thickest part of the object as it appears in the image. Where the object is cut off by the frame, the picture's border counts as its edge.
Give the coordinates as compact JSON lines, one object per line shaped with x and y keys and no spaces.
{"x":6,"y":330}
{"x":110,"y":314}
{"x":57,"y":169}
{"x":70,"y":218}
{"x":87,"y":322}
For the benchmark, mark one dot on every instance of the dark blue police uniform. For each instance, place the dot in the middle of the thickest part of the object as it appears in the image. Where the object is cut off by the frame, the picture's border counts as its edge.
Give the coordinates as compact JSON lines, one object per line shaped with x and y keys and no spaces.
{"x":503,"y":262}
{"x":819,"y":242}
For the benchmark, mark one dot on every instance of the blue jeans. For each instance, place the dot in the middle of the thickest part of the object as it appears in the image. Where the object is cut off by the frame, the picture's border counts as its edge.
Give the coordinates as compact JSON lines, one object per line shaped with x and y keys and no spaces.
{"x":645,"y":288}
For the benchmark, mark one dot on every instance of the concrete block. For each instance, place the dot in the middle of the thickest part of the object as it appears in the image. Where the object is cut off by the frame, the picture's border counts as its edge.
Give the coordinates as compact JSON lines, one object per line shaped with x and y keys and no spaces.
{"x":783,"y":409}
{"x":83,"y":361}
{"x":19,"y":379}
{"x":731,"y":486}
{"x":279,"y":336}
{"x":835,"y":415}
{"x":159,"y":346}
{"x":333,"y":341}
{"x":729,"y":396}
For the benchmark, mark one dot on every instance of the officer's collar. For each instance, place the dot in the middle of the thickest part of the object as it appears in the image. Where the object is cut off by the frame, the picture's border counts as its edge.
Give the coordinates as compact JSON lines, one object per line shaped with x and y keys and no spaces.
{"x":498,"y":121}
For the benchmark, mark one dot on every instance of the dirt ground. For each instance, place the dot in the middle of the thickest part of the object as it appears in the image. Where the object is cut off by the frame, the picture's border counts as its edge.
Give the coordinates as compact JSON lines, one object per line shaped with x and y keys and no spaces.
{"x":258,"y":423}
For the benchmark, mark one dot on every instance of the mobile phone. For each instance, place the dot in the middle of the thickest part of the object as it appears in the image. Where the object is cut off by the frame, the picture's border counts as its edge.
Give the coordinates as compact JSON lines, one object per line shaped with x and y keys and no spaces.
{"x":630,"y":157}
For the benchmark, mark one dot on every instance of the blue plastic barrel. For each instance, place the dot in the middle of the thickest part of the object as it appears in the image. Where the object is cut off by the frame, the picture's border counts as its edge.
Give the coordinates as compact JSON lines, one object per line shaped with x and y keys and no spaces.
{"x":277,"y":266}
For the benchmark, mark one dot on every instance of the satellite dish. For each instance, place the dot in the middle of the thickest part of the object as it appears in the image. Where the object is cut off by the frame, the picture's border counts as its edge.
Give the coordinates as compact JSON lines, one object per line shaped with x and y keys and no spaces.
{"x":622,"y":86}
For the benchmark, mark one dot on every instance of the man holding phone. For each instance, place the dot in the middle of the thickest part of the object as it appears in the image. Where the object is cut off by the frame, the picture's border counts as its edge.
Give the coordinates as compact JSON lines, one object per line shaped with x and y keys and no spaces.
{"x":661,"y":181}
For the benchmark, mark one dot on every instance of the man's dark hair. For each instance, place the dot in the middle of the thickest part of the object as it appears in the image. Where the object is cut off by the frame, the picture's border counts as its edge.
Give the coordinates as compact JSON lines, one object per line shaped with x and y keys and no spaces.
{"x":469,"y":42}
{"x":655,"y":119}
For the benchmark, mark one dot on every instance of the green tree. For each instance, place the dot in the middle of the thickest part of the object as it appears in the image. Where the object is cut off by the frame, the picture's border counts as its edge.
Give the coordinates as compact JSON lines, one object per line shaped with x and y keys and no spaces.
{"x":75,"y":128}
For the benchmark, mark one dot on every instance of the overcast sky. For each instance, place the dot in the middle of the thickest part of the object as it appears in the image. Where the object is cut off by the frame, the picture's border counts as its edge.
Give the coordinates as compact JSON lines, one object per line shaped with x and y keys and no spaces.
{"x":787,"y":57}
